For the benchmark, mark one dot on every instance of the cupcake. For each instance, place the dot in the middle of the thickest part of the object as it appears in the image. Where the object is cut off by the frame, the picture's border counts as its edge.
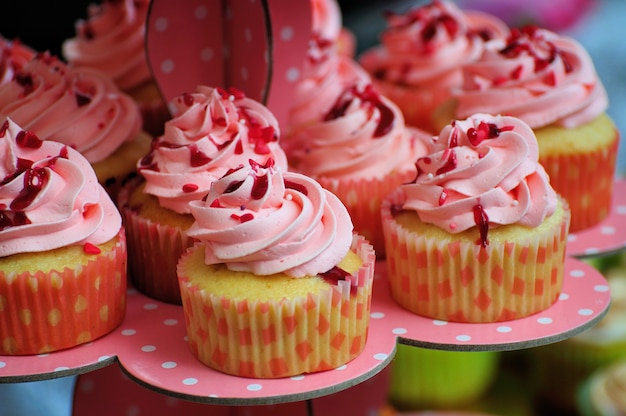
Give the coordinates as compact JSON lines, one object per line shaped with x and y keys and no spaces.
{"x":361,"y":151}
{"x":111,"y":39}
{"x":568,"y":363}
{"x":13,"y":57}
{"x":550,"y":82}
{"x":479,"y":235}
{"x":434,"y":379}
{"x":81,"y":108}
{"x":421,"y":54}
{"x":604,"y":393}
{"x":62,"y":248}
{"x":213,"y":130}
{"x":277,"y":284}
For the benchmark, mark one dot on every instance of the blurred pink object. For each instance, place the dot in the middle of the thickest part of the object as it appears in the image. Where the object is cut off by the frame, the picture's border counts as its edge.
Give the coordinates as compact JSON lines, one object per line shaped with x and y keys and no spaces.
{"x":556,"y":15}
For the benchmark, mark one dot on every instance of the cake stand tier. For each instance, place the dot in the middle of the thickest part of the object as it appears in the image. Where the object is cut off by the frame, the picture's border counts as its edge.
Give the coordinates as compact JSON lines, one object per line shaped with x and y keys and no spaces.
{"x":151,"y":348}
{"x":609,"y":236}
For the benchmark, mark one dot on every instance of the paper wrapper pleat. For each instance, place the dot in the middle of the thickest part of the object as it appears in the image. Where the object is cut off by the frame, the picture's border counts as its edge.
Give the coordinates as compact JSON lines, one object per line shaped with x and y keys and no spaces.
{"x":48,"y":311}
{"x":363,"y":197}
{"x":586,"y":183}
{"x":153,"y":252}
{"x":285,"y":337}
{"x":462,"y":281}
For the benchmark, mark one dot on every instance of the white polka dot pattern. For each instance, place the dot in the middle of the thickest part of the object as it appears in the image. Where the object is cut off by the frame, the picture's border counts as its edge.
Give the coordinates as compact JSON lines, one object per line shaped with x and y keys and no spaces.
{"x":199,"y":42}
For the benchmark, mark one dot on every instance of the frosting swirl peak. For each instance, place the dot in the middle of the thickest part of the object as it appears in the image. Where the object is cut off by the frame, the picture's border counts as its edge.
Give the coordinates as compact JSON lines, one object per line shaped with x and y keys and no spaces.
{"x":535,"y":75}
{"x":49,"y":196}
{"x":259,"y":219}
{"x":482,"y":172}
{"x":212,"y":131}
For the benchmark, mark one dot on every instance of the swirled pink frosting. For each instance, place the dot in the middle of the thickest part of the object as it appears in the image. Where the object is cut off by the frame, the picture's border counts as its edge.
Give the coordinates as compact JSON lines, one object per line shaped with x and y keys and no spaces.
{"x":111,"y":39}
{"x":13,"y":56}
{"x":362,"y":135}
{"x":426,"y":46}
{"x":49,"y":196}
{"x":259,"y":219}
{"x":536,"y":75}
{"x":324,"y":75}
{"x":81,"y":108}
{"x":327,"y":19}
{"x":212,"y":131}
{"x":482,"y":172}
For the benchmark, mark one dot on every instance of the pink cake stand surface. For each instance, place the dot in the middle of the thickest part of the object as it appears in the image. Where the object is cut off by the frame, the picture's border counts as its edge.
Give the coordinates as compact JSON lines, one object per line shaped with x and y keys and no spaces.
{"x":609,"y":235}
{"x":151,"y":348}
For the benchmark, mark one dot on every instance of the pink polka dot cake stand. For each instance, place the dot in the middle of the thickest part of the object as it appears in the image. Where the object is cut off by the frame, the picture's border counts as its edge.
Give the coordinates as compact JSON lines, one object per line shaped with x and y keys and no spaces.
{"x":609,"y":235}
{"x":150,"y":345}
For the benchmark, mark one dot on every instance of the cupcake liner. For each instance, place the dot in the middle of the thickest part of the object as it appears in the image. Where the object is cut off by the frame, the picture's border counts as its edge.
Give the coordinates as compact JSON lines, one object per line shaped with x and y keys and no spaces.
{"x":461,"y":281}
{"x":153,"y":252}
{"x":423,"y":378}
{"x":363,"y":198}
{"x":48,"y":311}
{"x":586,"y":183}
{"x":285,"y":337}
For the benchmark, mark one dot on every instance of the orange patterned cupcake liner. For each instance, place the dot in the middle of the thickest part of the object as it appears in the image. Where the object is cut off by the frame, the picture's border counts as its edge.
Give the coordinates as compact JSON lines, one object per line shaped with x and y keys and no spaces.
{"x":586,"y":183}
{"x":153,"y":252}
{"x":48,"y":311}
{"x":363,"y":198}
{"x":461,"y":281}
{"x":284,"y":337}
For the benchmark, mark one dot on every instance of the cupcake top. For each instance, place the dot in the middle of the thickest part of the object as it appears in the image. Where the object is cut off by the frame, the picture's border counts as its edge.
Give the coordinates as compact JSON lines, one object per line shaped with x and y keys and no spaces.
{"x":81,"y":108}
{"x":362,"y":135}
{"x":482,"y":172}
{"x":536,"y":75}
{"x":426,"y":46}
{"x":324,"y":75}
{"x":111,"y":39}
{"x":260,"y":219}
{"x":327,"y":20}
{"x":49,"y":196}
{"x":212,"y":131}
{"x":13,"y":56}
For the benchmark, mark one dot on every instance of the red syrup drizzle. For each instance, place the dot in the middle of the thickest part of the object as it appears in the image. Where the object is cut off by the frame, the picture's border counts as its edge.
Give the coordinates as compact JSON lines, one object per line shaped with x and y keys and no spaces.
{"x":482,"y":222}
{"x":336,"y":274}
{"x":368,"y":96}
{"x":520,"y":42}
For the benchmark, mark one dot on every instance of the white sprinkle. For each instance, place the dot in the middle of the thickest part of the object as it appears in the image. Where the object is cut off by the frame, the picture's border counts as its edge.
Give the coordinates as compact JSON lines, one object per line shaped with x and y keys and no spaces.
{"x":231,"y":98}
{"x":515,"y":202}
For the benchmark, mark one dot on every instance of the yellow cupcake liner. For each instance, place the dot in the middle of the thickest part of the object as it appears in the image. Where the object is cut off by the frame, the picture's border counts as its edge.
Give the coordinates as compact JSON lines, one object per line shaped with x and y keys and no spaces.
{"x":285,"y":337}
{"x":586,"y":183}
{"x":48,"y":311}
{"x":461,"y":281}
{"x":153,"y":252}
{"x":363,"y":197}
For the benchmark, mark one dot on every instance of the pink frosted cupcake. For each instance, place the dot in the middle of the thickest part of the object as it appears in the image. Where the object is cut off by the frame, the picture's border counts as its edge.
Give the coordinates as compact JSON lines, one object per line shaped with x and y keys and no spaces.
{"x":62,"y":248}
{"x":479,"y":235}
{"x":112,"y":39}
{"x":277,"y":285}
{"x":361,"y":151}
{"x":13,"y":56}
{"x":213,"y":130}
{"x":421,"y":55}
{"x":550,"y":82}
{"x":81,"y":108}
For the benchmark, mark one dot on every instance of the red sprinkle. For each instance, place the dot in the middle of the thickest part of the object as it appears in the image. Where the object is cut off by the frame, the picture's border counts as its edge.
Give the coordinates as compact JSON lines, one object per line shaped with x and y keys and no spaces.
{"x":91,"y":249}
{"x":28,"y":139}
{"x":190,"y":187}
{"x":482,"y":222}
